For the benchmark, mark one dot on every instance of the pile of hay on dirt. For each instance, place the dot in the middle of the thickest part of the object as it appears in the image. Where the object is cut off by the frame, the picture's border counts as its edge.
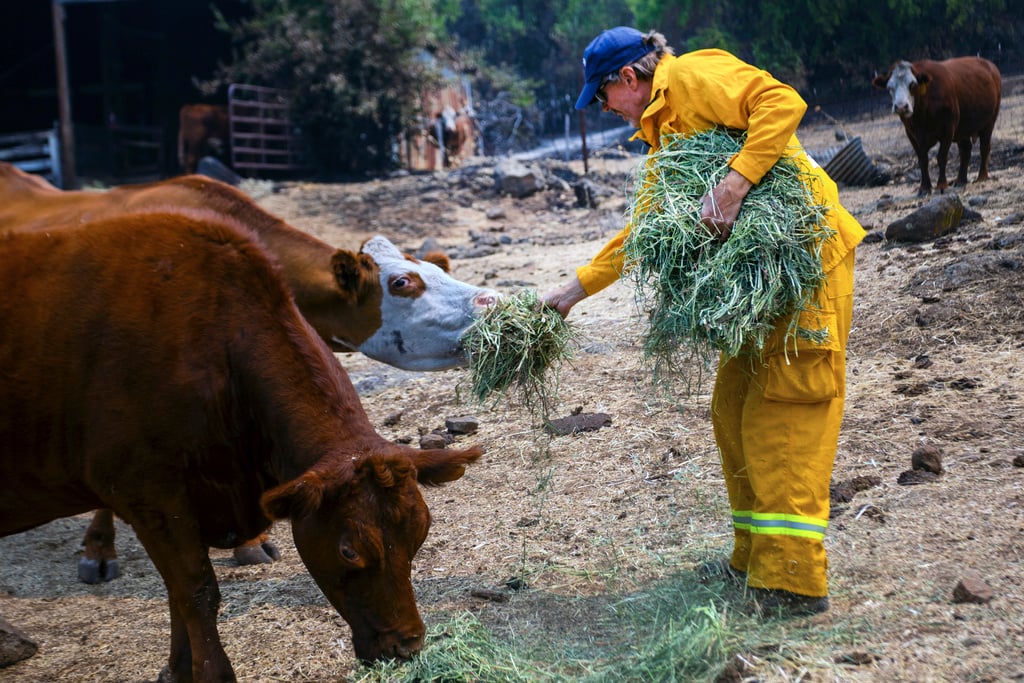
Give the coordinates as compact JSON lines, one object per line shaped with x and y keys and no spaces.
{"x":703,"y":296}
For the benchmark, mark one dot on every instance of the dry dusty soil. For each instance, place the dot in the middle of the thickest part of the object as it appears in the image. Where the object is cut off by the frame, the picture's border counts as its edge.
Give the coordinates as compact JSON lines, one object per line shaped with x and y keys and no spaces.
{"x":935,"y":359}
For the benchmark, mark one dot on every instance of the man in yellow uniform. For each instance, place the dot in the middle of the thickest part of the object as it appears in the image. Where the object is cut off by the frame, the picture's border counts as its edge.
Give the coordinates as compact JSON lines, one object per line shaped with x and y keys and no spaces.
{"x":776,"y":422}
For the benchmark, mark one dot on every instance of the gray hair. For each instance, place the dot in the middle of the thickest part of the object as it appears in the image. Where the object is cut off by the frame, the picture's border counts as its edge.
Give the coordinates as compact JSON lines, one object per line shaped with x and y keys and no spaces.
{"x":644,"y":67}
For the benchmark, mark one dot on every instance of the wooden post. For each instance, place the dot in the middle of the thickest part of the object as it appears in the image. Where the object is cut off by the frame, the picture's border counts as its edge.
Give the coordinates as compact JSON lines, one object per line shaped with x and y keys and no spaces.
{"x":67,"y":133}
{"x":583,"y":130}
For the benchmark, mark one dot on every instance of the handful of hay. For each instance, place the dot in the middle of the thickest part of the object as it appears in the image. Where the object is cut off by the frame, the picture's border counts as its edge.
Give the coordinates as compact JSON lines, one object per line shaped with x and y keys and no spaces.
{"x":516,"y":342}
{"x":708,"y":296}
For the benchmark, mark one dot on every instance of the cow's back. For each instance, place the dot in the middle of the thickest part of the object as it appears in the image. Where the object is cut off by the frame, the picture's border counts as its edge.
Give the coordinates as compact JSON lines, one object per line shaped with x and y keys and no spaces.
{"x":971,"y":85}
{"x":124,"y":362}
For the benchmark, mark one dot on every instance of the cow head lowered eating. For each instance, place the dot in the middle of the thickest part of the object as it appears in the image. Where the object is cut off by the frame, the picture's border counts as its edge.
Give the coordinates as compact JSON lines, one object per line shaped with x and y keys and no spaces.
{"x":156,"y":365}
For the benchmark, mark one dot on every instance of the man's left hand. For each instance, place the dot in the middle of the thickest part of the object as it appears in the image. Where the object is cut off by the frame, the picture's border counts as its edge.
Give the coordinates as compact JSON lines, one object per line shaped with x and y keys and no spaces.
{"x":721,"y":206}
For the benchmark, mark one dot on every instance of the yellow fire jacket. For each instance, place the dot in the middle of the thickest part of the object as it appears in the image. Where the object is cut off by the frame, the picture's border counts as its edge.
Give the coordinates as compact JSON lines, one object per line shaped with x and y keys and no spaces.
{"x":699,"y":90}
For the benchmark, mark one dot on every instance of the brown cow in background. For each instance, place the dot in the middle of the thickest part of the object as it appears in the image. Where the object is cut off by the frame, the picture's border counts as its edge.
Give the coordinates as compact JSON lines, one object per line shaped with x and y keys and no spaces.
{"x":456,"y":135}
{"x":955,"y":100}
{"x":202,"y":131}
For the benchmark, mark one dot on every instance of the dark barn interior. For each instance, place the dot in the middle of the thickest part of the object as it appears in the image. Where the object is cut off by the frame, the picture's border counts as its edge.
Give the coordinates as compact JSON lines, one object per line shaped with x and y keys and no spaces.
{"x":131,"y":64}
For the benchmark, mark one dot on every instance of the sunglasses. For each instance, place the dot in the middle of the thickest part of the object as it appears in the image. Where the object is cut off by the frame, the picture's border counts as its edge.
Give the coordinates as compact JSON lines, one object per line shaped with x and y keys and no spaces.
{"x":599,"y":93}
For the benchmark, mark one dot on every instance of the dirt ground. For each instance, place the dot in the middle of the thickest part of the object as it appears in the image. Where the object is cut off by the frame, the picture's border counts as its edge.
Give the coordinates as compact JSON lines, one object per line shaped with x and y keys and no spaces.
{"x":935,"y":358}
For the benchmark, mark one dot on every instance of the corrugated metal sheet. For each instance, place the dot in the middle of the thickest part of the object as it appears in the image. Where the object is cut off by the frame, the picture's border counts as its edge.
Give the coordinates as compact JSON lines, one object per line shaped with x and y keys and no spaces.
{"x":849,"y":165}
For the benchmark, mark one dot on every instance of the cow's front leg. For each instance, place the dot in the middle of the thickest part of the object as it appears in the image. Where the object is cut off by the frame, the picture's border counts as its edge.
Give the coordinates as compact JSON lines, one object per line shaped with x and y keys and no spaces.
{"x":173,"y":544}
{"x":99,"y":562}
{"x":965,"y":160}
{"x":926,"y":179}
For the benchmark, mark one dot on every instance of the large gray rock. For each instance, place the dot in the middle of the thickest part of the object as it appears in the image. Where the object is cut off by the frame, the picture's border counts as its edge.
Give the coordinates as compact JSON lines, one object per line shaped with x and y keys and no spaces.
{"x":516,"y":179}
{"x":938,"y":217}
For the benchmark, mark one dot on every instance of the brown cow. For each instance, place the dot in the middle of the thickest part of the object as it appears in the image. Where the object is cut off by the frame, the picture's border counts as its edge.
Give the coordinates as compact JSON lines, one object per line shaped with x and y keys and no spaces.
{"x":380,"y":302}
{"x":156,"y":365}
{"x":955,"y":100}
{"x":457,"y":135}
{"x":202,"y":131}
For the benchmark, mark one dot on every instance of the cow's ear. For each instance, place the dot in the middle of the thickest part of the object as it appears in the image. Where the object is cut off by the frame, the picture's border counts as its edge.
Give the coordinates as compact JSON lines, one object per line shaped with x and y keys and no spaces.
{"x":437,"y":466}
{"x":880,"y":81}
{"x":439,"y":259}
{"x":354,"y":273}
{"x":294,"y":499}
{"x":922,"y":79}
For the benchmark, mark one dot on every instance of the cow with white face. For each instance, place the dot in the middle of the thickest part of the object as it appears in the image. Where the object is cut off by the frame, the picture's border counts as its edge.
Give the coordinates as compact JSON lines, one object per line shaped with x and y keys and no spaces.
{"x":424,"y":311}
{"x":942,"y":102}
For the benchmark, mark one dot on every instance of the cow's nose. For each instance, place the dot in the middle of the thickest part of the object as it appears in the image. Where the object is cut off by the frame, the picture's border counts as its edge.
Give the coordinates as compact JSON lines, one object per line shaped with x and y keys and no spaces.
{"x":407,"y":647}
{"x":486,"y":299}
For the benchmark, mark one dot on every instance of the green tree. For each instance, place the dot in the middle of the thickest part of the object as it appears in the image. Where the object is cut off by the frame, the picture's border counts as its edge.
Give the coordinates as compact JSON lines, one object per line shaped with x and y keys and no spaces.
{"x":355,"y":70}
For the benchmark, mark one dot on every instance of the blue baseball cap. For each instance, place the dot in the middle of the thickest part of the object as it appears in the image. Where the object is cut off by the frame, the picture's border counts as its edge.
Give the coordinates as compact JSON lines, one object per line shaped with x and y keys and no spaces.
{"x":613,"y":49}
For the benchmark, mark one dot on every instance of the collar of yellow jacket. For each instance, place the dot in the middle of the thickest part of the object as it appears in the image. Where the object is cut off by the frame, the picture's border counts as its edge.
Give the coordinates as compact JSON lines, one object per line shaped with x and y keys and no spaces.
{"x":648,"y":131}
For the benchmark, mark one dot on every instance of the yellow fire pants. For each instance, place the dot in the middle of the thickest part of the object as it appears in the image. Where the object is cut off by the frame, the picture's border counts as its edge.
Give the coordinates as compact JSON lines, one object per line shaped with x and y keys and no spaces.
{"x":776,"y":421}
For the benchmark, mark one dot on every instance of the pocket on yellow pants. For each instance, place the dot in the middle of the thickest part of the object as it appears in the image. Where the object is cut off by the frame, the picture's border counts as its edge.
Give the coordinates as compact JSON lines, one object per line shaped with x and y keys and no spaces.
{"x":806,"y":377}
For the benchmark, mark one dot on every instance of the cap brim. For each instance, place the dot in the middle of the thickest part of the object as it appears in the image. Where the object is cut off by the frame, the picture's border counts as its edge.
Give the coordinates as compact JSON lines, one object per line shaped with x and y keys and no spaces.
{"x":588,"y":94}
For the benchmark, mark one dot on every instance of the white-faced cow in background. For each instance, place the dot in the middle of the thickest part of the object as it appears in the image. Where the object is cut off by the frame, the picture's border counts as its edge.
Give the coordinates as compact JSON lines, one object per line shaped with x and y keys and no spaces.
{"x":955,"y":100}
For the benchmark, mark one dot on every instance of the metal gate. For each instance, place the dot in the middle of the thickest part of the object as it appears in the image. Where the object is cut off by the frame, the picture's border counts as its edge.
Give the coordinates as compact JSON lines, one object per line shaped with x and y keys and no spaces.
{"x":262,"y":134}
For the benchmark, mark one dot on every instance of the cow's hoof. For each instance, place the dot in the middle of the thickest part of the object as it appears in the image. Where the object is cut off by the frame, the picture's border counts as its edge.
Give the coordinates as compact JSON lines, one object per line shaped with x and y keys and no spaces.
{"x":264,"y":553}
{"x":98,"y":571}
{"x":168,"y":676}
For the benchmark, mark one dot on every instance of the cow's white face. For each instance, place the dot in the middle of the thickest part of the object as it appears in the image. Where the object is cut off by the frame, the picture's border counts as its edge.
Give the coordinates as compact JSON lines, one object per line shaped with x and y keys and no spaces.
{"x":901,"y":86}
{"x":424,"y":311}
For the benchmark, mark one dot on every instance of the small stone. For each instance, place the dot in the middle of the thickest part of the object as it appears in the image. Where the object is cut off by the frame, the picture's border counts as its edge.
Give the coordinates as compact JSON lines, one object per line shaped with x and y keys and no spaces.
{"x":433,"y":440}
{"x":973,"y":589}
{"x":913,"y":477}
{"x":489,"y":594}
{"x":583,"y":422}
{"x":927,"y":458}
{"x":14,"y":645}
{"x":467,"y":424}
{"x":938,"y":217}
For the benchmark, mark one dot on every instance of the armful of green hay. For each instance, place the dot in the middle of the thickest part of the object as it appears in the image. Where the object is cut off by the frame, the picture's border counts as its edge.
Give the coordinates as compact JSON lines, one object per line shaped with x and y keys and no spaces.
{"x":702,"y":296}
{"x":518,"y":344}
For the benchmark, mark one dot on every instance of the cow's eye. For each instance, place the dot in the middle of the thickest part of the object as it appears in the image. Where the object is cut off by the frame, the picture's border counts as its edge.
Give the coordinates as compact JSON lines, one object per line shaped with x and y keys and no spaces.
{"x":349,"y":554}
{"x":400,"y":283}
